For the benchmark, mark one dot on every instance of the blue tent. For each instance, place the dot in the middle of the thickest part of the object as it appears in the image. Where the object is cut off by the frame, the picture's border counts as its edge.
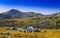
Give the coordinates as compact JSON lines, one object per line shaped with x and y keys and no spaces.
{"x":30,"y":28}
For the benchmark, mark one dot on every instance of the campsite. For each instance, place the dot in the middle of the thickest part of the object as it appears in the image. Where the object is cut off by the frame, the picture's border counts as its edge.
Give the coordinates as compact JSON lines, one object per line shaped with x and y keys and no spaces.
{"x":50,"y":33}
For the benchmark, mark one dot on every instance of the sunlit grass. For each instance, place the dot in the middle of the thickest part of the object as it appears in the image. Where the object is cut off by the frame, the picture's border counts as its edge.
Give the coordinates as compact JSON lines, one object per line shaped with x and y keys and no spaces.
{"x":50,"y":33}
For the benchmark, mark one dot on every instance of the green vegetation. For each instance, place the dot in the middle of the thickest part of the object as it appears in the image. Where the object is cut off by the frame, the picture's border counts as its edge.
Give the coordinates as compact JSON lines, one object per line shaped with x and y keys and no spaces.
{"x":16,"y":18}
{"x":37,"y":22}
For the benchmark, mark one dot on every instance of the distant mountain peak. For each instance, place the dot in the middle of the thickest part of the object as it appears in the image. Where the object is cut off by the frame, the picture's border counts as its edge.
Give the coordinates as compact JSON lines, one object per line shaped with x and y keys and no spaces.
{"x":14,"y":11}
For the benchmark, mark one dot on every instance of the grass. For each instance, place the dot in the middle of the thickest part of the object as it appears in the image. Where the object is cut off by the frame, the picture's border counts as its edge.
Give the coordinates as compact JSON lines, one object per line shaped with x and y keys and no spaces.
{"x":50,"y":33}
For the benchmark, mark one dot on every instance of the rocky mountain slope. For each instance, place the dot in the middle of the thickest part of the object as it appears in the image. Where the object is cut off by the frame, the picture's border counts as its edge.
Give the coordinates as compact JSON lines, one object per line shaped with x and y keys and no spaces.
{"x":13,"y":13}
{"x":17,"y":18}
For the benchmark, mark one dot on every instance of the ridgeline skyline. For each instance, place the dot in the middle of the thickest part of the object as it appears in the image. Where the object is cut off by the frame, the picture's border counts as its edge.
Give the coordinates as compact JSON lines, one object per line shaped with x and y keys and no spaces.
{"x":37,"y":6}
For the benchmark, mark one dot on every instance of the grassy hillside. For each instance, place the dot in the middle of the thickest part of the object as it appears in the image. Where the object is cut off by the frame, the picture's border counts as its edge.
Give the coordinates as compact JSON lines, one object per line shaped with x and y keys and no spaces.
{"x":36,"y":21}
{"x":17,"y":18}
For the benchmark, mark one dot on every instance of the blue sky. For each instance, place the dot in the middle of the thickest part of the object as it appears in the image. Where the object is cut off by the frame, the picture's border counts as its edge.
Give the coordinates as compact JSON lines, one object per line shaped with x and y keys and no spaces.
{"x":38,"y":6}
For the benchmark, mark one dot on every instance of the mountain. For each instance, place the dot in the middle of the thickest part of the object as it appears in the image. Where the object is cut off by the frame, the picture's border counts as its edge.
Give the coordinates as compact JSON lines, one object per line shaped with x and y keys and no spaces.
{"x":13,"y":13}
{"x":25,"y":19}
{"x":56,"y":15}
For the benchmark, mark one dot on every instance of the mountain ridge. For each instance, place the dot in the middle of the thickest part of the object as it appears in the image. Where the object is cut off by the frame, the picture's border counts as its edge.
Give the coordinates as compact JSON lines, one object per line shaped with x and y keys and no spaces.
{"x":13,"y":13}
